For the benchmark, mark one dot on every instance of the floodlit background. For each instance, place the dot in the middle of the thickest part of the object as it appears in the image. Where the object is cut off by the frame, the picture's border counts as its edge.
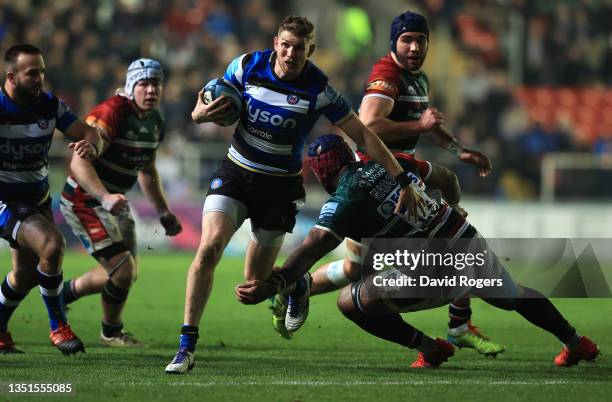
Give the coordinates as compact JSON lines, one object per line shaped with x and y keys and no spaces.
{"x":526,"y":82}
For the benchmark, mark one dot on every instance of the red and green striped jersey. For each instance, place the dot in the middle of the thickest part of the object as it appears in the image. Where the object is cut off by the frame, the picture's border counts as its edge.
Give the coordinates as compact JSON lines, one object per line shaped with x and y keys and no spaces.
{"x":133,"y":141}
{"x":409,"y":92}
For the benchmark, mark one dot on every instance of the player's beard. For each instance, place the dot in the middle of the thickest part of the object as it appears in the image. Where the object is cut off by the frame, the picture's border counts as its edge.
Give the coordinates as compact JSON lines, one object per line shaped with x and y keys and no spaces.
{"x":412,"y":65}
{"x":27,"y":95}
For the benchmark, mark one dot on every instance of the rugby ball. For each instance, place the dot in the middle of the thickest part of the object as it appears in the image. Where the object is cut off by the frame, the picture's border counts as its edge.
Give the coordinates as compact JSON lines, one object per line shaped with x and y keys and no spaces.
{"x":221,"y":87}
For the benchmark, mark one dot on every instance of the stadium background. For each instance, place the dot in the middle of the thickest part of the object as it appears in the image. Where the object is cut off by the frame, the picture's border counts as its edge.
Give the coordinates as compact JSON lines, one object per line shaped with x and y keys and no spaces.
{"x":528,"y":83}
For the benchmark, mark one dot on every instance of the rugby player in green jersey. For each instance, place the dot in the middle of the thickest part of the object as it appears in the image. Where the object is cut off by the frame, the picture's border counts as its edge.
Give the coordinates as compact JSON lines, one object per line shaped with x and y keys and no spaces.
{"x":361,"y":205}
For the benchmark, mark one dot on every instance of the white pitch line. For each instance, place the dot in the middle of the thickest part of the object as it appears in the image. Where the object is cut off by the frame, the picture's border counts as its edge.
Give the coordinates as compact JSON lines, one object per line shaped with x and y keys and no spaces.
{"x":353,"y":383}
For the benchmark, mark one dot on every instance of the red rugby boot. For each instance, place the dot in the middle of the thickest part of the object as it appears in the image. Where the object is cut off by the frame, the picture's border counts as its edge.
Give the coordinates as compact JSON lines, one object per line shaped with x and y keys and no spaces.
{"x":441,"y":354}
{"x":66,"y":341}
{"x":586,"y":350}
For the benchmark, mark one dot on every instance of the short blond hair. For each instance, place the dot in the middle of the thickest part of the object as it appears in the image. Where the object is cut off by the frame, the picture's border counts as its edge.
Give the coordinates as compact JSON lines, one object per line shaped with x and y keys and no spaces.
{"x":299,"y":26}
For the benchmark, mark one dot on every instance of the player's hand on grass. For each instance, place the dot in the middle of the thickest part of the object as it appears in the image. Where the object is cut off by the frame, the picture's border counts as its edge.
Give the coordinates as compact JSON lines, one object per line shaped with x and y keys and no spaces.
{"x":477,"y":159}
{"x":430,"y":119}
{"x":84,"y":149}
{"x":114,"y":203}
{"x":253,"y":292}
{"x":214,"y":111}
{"x":171,"y":224}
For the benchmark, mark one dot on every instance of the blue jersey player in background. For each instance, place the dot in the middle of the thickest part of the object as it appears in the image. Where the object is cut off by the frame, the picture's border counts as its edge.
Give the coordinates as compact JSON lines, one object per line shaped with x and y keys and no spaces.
{"x":260,"y":179}
{"x":28,"y":117}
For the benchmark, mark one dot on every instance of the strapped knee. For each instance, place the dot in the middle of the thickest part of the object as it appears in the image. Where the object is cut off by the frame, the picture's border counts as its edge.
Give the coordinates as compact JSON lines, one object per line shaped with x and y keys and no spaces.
{"x":335,"y":274}
{"x":112,"y":294}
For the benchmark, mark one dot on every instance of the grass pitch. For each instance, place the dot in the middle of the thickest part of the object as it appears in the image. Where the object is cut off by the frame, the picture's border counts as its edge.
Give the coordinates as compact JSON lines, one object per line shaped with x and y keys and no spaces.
{"x":240,"y":358}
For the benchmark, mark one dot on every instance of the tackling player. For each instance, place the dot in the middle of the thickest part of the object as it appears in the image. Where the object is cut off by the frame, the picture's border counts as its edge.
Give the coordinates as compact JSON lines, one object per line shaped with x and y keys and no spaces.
{"x":357,"y":210}
{"x":28,"y":117}
{"x":93,"y":201}
{"x":261,"y":177}
{"x":396,"y":107}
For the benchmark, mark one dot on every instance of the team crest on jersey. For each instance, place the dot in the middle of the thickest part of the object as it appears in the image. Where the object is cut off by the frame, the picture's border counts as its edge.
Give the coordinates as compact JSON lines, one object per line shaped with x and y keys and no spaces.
{"x":43,"y":123}
{"x":292,"y":99}
{"x":130,"y":135}
{"x":216,"y":183}
{"x":411,"y":90}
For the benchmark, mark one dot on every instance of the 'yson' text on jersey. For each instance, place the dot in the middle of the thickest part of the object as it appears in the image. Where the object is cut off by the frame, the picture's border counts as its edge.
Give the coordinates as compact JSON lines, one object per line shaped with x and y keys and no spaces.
{"x":25,"y":137}
{"x":278,"y":115}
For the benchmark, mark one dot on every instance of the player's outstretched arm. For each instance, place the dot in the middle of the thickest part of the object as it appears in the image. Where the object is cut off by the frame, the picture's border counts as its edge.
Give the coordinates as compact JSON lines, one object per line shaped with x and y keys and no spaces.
{"x":151,"y":186}
{"x":373,"y":146}
{"x":374,"y":112}
{"x":315,"y":246}
{"x":215,"y":111}
{"x":88,"y":141}
{"x":441,"y":137}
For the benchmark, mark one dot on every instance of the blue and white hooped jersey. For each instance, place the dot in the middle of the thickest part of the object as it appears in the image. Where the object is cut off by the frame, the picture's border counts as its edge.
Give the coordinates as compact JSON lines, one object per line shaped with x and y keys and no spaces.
{"x":25,"y":138}
{"x":279,"y":115}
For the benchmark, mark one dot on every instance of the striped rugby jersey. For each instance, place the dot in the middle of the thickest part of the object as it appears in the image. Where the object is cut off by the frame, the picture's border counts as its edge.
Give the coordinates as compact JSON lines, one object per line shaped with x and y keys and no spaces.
{"x":278,"y":115}
{"x":26,"y":133}
{"x":364,"y":202}
{"x":409,"y":92}
{"x":133,"y":142}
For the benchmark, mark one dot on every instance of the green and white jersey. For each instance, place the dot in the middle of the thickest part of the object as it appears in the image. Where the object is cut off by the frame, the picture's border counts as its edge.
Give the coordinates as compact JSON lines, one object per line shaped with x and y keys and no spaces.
{"x":364,"y":202}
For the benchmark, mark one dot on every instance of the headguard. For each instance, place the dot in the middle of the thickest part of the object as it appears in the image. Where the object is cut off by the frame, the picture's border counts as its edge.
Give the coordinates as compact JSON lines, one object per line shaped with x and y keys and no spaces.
{"x":327,"y":155}
{"x":407,"y":22}
{"x":142,"y":69}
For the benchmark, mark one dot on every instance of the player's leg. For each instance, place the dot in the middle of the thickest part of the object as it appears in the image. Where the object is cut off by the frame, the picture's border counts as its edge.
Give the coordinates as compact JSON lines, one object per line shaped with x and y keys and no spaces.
{"x":222,"y":217}
{"x":338,"y":274}
{"x":274,"y":216}
{"x":539,"y":311}
{"x":361,"y":303}
{"x":261,"y":254}
{"x":15,"y":287}
{"x":217,"y":230}
{"x":101,"y":234}
{"x":39,"y":235}
{"x":91,"y":282}
{"x":535,"y":308}
{"x":463,"y":334}
{"x":225,"y":209}
{"x":111,"y":240}
{"x":121,"y":269}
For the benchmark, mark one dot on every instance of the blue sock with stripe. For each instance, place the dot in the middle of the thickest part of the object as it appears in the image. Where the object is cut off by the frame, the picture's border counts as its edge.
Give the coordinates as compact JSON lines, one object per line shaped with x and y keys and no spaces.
{"x":51,"y":287}
{"x":9,"y":300}
{"x":189,"y":337}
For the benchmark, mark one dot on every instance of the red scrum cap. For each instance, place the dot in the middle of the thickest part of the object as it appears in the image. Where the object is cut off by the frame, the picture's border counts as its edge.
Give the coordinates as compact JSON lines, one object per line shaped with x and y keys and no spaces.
{"x":327,"y":155}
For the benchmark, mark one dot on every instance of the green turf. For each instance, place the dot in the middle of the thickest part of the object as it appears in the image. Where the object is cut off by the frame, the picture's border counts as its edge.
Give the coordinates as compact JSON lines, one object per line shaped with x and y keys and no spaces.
{"x":240,"y":358}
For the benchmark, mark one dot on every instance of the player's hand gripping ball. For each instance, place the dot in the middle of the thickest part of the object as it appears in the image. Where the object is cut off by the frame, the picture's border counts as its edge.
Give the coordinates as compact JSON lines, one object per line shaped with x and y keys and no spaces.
{"x":221,"y":87}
